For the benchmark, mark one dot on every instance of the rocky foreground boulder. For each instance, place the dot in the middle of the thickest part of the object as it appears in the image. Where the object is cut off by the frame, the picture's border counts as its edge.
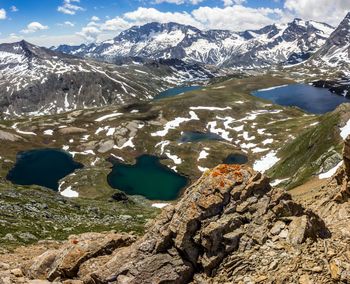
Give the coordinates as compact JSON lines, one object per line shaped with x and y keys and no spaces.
{"x":228,"y":227}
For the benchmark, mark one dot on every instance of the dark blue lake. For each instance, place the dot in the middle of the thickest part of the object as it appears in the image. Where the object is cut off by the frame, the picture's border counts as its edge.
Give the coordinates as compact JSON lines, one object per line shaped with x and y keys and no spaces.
{"x":148,"y":177}
{"x":43,"y":167}
{"x":176,"y":91}
{"x":194,"y":136}
{"x":309,"y":98}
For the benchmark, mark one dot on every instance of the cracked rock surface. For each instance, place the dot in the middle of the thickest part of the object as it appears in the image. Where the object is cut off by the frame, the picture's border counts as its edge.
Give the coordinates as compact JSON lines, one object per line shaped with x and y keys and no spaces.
{"x":229,"y":226}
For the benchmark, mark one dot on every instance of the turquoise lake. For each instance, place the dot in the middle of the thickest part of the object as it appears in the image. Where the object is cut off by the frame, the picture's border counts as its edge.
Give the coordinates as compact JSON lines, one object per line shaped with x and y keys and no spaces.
{"x":176,"y":91}
{"x":148,"y":177}
{"x":44,"y":167}
{"x":308,"y":98}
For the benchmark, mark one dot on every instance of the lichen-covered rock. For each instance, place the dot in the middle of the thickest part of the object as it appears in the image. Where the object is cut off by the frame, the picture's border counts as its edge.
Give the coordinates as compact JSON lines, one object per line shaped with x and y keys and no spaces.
{"x":228,"y":209}
{"x":228,"y":224}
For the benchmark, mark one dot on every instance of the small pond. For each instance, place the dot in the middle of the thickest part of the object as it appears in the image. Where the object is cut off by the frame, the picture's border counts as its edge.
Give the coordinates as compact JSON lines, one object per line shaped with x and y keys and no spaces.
{"x":195,"y":136}
{"x":148,"y":177}
{"x":307,"y":97}
{"x":236,"y":159}
{"x":44,"y":167}
{"x":176,"y":91}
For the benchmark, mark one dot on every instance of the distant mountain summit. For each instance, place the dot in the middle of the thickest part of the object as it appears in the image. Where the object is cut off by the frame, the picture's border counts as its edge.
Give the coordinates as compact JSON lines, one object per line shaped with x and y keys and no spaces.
{"x":273,"y":44}
{"x":336,"y":50}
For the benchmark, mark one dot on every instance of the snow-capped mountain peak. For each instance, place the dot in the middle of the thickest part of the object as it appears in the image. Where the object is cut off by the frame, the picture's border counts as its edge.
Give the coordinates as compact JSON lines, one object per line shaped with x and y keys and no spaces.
{"x":335,"y":52}
{"x":273,"y":44}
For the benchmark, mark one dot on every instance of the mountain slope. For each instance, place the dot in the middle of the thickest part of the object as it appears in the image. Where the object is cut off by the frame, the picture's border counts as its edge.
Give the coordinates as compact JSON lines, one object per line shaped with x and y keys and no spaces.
{"x":272,"y":44}
{"x":336,"y":50}
{"x":36,"y":80}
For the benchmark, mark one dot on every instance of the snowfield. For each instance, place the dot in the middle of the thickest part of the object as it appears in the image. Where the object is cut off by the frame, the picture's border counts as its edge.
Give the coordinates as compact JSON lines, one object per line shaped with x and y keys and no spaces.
{"x":266,"y":162}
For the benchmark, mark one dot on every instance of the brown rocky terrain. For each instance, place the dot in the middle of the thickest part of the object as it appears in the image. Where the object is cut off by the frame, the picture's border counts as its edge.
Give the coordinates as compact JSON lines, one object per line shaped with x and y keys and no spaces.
{"x":230,"y":226}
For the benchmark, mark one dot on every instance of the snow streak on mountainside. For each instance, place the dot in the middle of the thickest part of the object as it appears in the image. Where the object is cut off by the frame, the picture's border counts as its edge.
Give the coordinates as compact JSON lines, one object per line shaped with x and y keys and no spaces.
{"x":336,"y":51}
{"x":35,"y":80}
{"x":289,"y":43}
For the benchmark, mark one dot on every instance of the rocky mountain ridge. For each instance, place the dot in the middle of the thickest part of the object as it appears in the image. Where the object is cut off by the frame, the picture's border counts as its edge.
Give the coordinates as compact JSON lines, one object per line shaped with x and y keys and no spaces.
{"x":37,"y":81}
{"x":336,"y":50}
{"x":334,"y":55}
{"x":273,"y":44}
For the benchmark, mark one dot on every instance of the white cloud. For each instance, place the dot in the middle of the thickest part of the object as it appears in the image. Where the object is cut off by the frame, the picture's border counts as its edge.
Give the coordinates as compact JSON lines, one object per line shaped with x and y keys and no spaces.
{"x":117,"y":24}
{"x":95,"y":18}
{"x":47,"y":40}
{"x":94,"y":31}
{"x":89,"y":33}
{"x":196,"y":2}
{"x":236,"y":17}
{"x":34,"y":27}
{"x":68,"y":7}
{"x":146,"y":15}
{"x":14,"y":36}
{"x":2,"y":14}
{"x":14,"y":9}
{"x":66,"y":24}
{"x":319,"y":10}
{"x":232,"y":2}
{"x":179,"y":2}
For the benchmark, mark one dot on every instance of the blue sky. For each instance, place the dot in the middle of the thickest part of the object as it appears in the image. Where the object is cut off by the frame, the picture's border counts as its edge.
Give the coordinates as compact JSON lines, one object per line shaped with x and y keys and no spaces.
{"x":52,"y":22}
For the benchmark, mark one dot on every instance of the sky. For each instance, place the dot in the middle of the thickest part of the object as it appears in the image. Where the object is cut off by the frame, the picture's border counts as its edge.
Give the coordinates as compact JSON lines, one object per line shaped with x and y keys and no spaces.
{"x":54,"y":22}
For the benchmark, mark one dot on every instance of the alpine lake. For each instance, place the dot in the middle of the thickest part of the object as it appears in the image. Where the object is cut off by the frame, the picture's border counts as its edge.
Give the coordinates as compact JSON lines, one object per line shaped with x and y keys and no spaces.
{"x":148,"y":176}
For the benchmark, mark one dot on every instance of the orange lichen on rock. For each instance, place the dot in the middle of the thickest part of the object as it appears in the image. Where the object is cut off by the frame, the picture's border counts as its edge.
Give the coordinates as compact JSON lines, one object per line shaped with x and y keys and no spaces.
{"x":225,"y":169}
{"x":226,"y":175}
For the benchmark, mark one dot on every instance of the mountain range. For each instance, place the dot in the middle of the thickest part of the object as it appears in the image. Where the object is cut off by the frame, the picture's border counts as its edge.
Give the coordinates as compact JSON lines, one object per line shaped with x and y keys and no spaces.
{"x":289,"y":43}
{"x":36,"y":80}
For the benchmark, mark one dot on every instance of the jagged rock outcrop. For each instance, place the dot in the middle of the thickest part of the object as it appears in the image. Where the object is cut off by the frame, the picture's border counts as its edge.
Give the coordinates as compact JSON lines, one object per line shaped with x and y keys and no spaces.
{"x":65,"y":262}
{"x":228,"y":226}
